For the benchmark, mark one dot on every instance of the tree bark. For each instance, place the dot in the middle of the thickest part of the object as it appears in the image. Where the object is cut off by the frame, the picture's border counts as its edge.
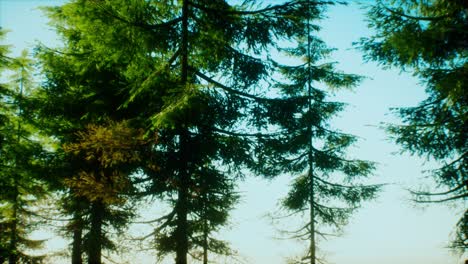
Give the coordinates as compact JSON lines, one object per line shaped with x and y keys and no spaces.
{"x":205,"y":241}
{"x":182,"y":204}
{"x":182,"y":245}
{"x":77,"y":240}
{"x":13,"y":247}
{"x":312,"y":246}
{"x":95,"y":236}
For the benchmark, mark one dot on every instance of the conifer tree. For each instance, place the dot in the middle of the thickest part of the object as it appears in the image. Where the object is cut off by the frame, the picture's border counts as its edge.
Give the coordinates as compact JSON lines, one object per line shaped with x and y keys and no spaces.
{"x":196,"y":70}
{"x":327,"y":186}
{"x":195,"y":66}
{"x":111,"y":152}
{"x":21,"y":180}
{"x":99,"y":149}
{"x":429,"y":38}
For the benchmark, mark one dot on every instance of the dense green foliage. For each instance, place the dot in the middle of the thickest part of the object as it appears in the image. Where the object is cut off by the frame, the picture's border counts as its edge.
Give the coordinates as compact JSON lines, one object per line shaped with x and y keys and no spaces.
{"x":21,"y":164}
{"x":175,"y":101}
{"x":194,"y":66}
{"x":99,"y":150}
{"x":429,"y":38}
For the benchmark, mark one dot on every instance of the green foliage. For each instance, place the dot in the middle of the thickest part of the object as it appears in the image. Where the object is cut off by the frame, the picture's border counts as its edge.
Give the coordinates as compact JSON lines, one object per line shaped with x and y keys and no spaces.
{"x":327,"y":186}
{"x":95,"y":158}
{"x":193,"y":75}
{"x":429,"y":38}
{"x":21,"y":165}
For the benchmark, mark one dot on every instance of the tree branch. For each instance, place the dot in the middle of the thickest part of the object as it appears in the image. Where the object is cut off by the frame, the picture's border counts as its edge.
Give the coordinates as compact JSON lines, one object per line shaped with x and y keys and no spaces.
{"x":238,"y":12}
{"x":229,"y":89}
{"x":464,"y":195}
{"x":416,"y":17}
{"x":168,"y":216}
{"x":142,"y":25}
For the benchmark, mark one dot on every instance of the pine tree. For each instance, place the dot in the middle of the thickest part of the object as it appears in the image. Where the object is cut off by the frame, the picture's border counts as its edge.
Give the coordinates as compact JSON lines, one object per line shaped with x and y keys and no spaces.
{"x":327,"y":186}
{"x":429,"y":38}
{"x":110,"y":152}
{"x":20,"y":166}
{"x":194,"y":65}
{"x":82,"y":95}
{"x":199,"y":68}
{"x":98,"y":146}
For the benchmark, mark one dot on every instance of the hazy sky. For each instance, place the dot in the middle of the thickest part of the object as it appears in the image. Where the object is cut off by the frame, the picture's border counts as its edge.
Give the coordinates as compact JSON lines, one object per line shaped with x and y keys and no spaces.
{"x":390,"y":230}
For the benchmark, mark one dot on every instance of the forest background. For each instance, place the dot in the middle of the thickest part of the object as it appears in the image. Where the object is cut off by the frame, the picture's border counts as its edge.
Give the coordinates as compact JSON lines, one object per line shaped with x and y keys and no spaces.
{"x":391,"y":229}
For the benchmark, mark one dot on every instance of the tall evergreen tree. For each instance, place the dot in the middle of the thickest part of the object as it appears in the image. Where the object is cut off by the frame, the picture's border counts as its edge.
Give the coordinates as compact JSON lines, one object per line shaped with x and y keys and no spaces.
{"x":327,"y":186}
{"x":429,"y":38}
{"x":81,"y":97}
{"x":195,"y":70}
{"x":4,"y":62}
{"x":111,"y":152}
{"x":20,"y":167}
{"x":194,"y":65}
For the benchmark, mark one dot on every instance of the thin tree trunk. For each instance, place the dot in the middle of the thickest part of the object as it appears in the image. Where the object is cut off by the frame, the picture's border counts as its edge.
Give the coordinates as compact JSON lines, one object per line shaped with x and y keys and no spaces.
{"x":205,"y":226}
{"x":312,"y":217}
{"x":95,"y":236}
{"x":182,"y":203}
{"x":13,"y":247}
{"x":312,"y":248}
{"x":77,"y":240}
{"x":182,"y":230}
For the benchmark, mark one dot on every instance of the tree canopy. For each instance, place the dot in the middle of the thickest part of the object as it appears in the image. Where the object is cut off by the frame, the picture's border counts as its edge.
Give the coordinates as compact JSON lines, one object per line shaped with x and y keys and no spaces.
{"x":429,"y":38}
{"x":174,"y":103}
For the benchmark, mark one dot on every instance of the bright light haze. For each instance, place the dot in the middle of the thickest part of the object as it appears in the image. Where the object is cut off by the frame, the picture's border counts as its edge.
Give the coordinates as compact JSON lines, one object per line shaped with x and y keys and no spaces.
{"x":390,"y":230}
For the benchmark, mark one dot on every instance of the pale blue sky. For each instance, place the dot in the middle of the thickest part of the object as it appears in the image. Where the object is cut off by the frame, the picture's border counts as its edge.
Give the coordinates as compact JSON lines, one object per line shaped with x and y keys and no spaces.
{"x":390,"y":230}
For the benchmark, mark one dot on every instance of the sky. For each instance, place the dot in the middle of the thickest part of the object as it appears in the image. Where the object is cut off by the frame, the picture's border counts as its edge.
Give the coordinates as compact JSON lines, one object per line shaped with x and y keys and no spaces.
{"x":390,"y":230}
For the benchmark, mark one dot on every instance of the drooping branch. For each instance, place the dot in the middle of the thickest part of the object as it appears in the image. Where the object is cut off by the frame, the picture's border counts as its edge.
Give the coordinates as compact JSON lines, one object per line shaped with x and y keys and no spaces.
{"x":158,"y":26}
{"x":423,"y":18}
{"x":229,"y":89}
{"x":456,"y":197}
{"x":159,"y":219}
{"x":241,"y":13}
{"x":168,"y":218}
{"x":459,"y":187}
{"x":244,"y":94}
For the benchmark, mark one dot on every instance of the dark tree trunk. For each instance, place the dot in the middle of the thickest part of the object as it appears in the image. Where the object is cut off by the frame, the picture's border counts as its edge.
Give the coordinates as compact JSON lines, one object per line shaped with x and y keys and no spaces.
{"x":95,"y":233}
{"x":182,"y":245}
{"x":182,"y":227}
{"x":13,"y":247}
{"x":205,"y":241}
{"x":77,"y":240}
{"x":182,"y":204}
{"x":13,"y":254}
{"x":312,"y":227}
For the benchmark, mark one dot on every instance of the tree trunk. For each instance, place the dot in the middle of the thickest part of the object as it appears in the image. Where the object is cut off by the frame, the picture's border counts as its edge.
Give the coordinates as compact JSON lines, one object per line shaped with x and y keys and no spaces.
{"x":95,"y":236}
{"x":182,"y":230}
{"x":182,"y":204}
{"x":182,"y":245}
{"x":312,"y":247}
{"x":77,"y":240}
{"x":312,"y":219}
{"x":205,"y":241}
{"x":205,"y":219}
{"x":13,"y":247}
